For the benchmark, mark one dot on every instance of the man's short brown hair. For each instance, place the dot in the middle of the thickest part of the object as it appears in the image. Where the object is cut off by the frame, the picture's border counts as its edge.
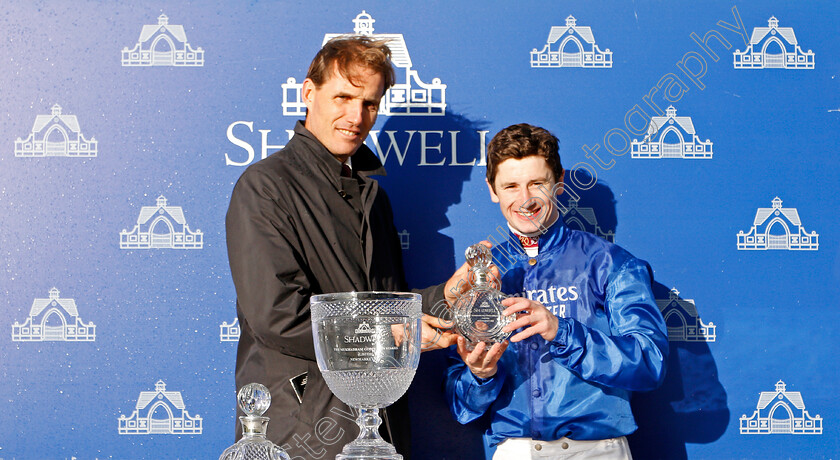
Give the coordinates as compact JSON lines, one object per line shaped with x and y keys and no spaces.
{"x":520,"y":141}
{"x":348,"y":53}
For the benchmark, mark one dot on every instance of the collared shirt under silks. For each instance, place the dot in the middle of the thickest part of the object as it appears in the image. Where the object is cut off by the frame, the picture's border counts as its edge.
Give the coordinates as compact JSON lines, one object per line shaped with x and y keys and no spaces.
{"x":611,"y":340}
{"x":295,"y":228}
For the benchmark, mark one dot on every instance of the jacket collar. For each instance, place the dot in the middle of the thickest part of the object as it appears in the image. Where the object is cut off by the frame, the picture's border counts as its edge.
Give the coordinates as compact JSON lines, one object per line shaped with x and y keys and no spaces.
{"x":554,"y":237}
{"x":365,"y":162}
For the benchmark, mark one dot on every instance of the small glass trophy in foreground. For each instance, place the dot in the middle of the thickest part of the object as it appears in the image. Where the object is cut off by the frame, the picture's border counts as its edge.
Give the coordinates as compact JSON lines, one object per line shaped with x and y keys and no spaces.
{"x":477,"y":313}
{"x":254,"y":400}
{"x":368,"y":347}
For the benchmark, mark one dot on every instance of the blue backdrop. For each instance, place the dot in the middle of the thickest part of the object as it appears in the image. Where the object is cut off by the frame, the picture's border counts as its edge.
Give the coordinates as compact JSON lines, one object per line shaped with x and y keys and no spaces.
{"x":700,"y":136}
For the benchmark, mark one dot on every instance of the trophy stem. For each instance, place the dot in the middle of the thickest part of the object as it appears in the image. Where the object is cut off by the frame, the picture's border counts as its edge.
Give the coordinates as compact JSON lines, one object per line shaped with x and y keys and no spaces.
{"x":368,"y":445}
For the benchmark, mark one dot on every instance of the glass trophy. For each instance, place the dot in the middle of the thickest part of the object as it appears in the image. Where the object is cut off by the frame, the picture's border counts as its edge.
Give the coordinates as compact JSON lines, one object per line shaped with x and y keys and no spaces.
{"x":254,"y":400}
{"x":477,"y":313}
{"x":368,"y":346}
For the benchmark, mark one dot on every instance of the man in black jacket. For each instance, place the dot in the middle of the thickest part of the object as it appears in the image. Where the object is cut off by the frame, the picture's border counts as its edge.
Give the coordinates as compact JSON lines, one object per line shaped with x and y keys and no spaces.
{"x":308,"y":220}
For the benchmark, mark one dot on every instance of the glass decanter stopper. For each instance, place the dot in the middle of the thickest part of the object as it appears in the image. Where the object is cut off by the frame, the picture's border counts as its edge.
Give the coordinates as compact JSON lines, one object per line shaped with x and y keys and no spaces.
{"x":478,"y":312}
{"x":254,"y":400}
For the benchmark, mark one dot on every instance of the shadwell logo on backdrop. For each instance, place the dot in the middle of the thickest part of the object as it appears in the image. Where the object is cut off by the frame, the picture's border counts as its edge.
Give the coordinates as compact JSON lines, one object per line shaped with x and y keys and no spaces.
{"x":53,"y":320}
{"x":161,"y":227}
{"x":671,"y":87}
{"x":409,"y":96}
{"x":56,"y":135}
{"x":571,"y":46}
{"x":160,"y":412}
{"x":671,"y":137}
{"x":162,"y":44}
{"x":436,"y":147}
{"x":583,"y":219}
{"x":778,"y":228}
{"x":773,"y":47}
{"x":682,"y":320}
{"x":781,"y":412}
{"x":229,"y":332}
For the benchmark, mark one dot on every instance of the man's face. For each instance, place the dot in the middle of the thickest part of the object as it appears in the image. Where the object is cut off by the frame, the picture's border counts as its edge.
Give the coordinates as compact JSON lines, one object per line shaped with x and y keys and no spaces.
{"x":524,"y":189}
{"x":339,"y":113}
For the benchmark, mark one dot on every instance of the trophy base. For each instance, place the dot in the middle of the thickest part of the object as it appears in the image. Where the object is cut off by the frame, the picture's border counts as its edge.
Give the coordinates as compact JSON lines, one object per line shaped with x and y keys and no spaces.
{"x":369,"y":445}
{"x":470,"y":346}
{"x":379,"y":451}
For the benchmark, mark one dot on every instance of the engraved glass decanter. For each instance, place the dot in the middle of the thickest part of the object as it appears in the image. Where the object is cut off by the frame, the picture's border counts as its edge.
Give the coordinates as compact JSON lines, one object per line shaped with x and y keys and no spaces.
{"x":477,"y":313}
{"x":254,"y":400}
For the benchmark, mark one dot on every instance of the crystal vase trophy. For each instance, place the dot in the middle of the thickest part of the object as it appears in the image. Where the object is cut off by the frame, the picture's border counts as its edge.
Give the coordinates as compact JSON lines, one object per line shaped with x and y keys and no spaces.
{"x":368,"y":346}
{"x":254,"y":400}
{"x":477,"y":313}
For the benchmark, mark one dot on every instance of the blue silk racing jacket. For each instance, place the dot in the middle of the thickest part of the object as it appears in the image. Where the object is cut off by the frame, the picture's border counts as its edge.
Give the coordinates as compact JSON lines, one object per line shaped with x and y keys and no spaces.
{"x":611,"y":341}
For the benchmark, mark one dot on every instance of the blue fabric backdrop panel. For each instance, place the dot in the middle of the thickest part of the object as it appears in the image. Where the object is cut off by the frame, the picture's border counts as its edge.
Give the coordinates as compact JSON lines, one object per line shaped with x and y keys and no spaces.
{"x":700,"y":136}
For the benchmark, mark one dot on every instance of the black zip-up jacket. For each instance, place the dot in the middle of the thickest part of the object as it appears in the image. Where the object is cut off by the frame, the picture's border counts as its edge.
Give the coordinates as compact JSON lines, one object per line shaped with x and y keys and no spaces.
{"x":295,"y":228}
